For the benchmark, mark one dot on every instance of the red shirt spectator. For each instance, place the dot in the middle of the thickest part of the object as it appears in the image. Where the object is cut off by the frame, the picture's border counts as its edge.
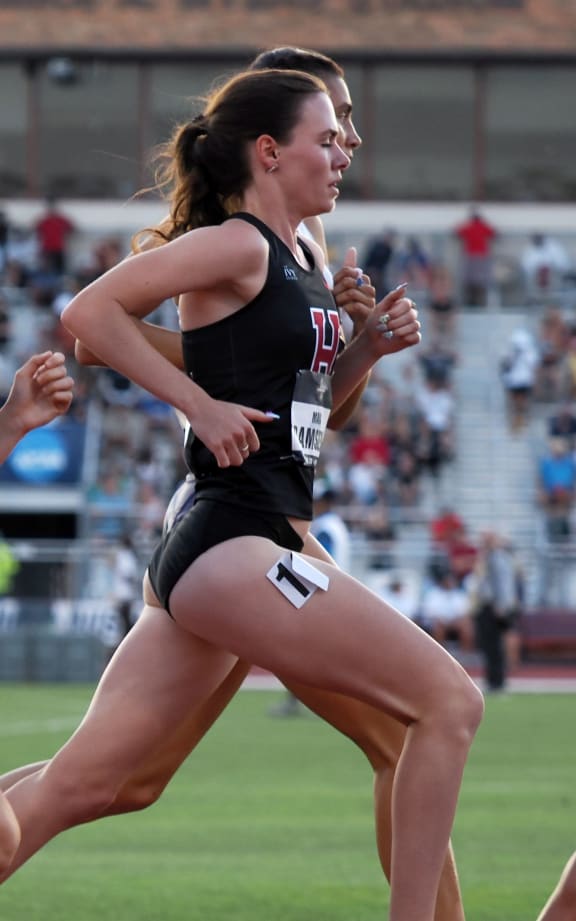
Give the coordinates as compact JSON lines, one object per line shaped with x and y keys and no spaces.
{"x":462,"y":555}
{"x":371,"y":445}
{"x":446,"y":526}
{"x":476,"y":236}
{"x":373,"y":449}
{"x":53,"y":231}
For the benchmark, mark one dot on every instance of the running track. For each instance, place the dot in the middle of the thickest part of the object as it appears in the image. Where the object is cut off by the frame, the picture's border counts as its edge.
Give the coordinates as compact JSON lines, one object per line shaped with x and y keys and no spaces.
{"x":552,"y":679}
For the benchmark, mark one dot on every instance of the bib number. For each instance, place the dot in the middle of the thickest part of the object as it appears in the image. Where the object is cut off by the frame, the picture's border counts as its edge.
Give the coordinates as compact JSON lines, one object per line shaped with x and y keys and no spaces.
{"x":311,"y":406}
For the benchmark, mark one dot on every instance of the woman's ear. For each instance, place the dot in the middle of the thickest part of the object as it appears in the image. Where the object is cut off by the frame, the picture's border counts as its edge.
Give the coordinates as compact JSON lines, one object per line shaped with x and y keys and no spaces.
{"x":267,"y":153}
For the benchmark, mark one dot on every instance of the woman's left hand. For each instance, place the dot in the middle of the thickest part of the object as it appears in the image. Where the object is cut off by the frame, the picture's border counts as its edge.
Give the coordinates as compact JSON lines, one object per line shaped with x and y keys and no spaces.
{"x":393,"y":325}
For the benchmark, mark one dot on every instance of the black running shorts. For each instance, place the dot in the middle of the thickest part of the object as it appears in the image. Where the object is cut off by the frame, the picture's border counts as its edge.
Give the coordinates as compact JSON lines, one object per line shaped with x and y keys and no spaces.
{"x":205,"y":525}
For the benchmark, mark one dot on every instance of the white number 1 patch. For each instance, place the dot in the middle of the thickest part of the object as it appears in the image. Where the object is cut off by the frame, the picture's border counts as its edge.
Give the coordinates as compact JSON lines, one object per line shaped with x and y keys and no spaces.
{"x":297,"y":579}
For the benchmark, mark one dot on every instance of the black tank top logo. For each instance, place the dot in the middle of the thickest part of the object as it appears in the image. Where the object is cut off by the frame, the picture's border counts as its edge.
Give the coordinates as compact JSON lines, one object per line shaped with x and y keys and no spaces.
{"x":326,"y":325}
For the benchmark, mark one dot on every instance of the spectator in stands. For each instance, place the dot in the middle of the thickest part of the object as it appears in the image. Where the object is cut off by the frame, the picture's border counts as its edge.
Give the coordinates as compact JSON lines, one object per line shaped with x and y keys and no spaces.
{"x":445,"y":610}
{"x":21,"y":255}
{"x":436,"y":405}
{"x":405,"y":465}
{"x":107,"y":253}
{"x":567,"y":372}
{"x":405,"y":477}
{"x":43,"y":282}
{"x":461,"y":553}
{"x":367,"y":480}
{"x":110,"y":505}
{"x":369,"y":456}
{"x":150,"y":508}
{"x":445,"y":527}
{"x":371,"y":440}
{"x":544,"y":262}
{"x":442,"y":301}
{"x":562,"y":424}
{"x":148,"y":468}
{"x":437,"y":361}
{"x":556,"y":488}
{"x":413,"y":264}
{"x":16,"y":276}
{"x":127,"y":576}
{"x":377,"y":261}
{"x":328,"y":526}
{"x":398,"y":590}
{"x":519,"y":367}
{"x":476,"y":236}
{"x":381,"y":534}
{"x":53,"y":232}
{"x":68,"y":287}
{"x":495,"y":587}
{"x":553,"y":339}
{"x":452,"y":548}
{"x":41,"y":391}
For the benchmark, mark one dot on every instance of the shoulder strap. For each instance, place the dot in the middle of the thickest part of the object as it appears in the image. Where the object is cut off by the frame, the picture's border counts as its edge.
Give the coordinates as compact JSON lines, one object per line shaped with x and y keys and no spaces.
{"x":273,"y":239}
{"x":255,"y":221}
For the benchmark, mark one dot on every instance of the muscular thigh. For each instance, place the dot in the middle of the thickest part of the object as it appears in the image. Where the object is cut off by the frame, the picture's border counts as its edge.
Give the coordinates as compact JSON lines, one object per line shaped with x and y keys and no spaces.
{"x":379,"y":735}
{"x":156,"y":677}
{"x":344,"y":639}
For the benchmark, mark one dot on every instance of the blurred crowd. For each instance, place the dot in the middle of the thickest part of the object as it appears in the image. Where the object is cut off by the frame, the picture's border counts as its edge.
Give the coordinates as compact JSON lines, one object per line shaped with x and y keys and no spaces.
{"x":397,"y":447}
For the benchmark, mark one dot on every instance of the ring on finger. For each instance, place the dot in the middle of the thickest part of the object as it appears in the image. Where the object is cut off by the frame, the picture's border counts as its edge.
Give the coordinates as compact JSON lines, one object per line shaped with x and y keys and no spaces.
{"x":244,"y":448}
{"x":383,"y":322}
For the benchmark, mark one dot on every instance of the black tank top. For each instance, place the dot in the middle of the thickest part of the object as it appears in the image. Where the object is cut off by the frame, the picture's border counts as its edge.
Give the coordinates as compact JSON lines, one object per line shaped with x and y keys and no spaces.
{"x":275,"y":354}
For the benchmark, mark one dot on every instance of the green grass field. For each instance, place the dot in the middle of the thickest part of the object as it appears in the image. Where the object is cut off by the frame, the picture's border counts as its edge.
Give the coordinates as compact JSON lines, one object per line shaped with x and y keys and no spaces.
{"x":271,"y":820}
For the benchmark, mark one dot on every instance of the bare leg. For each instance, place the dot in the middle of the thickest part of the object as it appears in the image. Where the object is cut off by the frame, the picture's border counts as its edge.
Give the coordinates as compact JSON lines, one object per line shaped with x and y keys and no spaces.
{"x":381,"y":738}
{"x":9,"y":834}
{"x":143,"y":697}
{"x":378,"y":735}
{"x":561,"y":906}
{"x":347,"y":640}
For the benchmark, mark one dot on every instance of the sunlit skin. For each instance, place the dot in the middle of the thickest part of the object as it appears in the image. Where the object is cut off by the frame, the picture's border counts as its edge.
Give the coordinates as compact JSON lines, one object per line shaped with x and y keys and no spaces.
{"x":380,"y":736}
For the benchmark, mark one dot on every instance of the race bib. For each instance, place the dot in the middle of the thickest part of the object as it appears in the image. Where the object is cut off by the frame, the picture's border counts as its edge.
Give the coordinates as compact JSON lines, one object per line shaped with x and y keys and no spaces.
{"x":311,"y":406}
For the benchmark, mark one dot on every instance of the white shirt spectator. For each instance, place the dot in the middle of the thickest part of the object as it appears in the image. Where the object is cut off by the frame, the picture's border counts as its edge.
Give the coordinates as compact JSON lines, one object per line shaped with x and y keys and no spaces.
{"x":437,"y":407}
{"x":334,"y":536}
{"x":521,"y":361}
{"x":543,"y":260}
{"x":445,"y":604}
{"x":397,"y":591}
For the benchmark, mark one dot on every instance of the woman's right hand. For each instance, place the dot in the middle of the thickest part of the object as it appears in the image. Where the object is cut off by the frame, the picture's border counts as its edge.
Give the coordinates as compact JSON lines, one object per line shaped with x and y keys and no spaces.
{"x":227,"y":429}
{"x":354,"y":292}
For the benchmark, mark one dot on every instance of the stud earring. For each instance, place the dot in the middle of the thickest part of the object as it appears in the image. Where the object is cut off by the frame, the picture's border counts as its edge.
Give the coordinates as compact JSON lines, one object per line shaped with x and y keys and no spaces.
{"x":273,"y":168}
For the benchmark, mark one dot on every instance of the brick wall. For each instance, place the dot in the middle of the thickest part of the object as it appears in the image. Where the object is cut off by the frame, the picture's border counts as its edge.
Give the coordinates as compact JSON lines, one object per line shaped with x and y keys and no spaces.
{"x":344,"y":25}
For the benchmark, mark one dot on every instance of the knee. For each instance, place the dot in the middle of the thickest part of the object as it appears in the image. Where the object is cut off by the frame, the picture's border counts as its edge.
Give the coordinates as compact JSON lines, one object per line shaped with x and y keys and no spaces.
{"x":9,"y":836}
{"x":135,"y":797}
{"x":463,"y":710}
{"x":471,"y":708}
